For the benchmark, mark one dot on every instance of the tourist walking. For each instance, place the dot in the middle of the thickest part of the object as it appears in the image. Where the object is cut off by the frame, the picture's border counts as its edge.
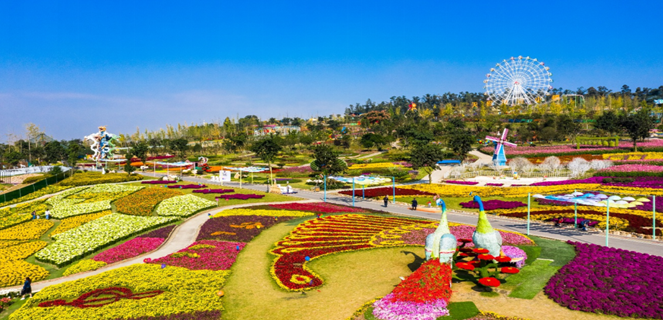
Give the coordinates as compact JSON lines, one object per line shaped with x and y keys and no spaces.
{"x":386,"y":201}
{"x":27,"y":288}
{"x":414,"y":204}
{"x":48,"y":214}
{"x":34,"y":215}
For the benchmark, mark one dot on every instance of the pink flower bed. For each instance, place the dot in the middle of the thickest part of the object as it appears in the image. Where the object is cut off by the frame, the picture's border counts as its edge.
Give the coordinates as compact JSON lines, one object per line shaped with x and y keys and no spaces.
{"x":469,"y":183}
{"x":129,"y":249}
{"x":418,"y":237}
{"x":524,"y":150}
{"x":220,"y":257}
{"x":315,"y":207}
{"x":634,"y":168}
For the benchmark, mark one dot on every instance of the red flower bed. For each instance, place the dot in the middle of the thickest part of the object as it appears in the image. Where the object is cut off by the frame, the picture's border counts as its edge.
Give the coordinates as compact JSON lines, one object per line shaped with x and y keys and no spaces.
{"x":188,"y":186}
{"x":386,"y":191}
{"x":198,"y":256}
{"x":237,"y":228}
{"x":101,"y":297}
{"x":318,"y":237}
{"x":429,"y":282}
{"x":318,"y":207}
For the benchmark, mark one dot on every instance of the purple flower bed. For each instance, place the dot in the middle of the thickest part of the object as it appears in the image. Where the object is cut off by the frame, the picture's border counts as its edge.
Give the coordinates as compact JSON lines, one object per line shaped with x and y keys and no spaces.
{"x":158,"y":182}
{"x":469,"y":183}
{"x":494,"y":204}
{"x":640,"y":182}
{"x":515,"y":253}
{"x":206,"y":191}
{"x":518,"y":185}
{"x":610,"y":281}
{"x":188,"y":186}
{"x":237,"y":228}
{"x":240,"y":196}
{"x":494,"y":184}
{"x":159,"y":233}
{"x":196,"y":315}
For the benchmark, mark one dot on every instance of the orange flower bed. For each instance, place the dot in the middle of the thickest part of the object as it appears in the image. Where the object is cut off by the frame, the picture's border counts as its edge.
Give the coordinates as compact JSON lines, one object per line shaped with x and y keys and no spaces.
{"x":143,"y":202}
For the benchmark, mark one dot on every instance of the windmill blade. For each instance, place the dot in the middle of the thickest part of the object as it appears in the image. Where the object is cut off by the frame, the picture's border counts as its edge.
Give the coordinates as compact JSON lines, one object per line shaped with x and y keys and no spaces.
{"x":504,"y":133}
{"x":492,"y":139}
{"x":509,"y":144}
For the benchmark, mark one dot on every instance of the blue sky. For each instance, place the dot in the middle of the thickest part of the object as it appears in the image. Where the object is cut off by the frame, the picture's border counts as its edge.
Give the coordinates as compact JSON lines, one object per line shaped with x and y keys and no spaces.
{"x":70,"y":66}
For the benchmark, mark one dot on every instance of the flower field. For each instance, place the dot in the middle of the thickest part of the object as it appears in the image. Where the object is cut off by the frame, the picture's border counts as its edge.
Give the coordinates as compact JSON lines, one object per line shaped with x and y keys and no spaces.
{"x":9,"y":218}
{"x":129,"y":249}
{"x":318,"y":207}
{"x":468,"y":183}
{"x":204,"y":255}
{"x":183,"y":206}
{"x":39,"y":193}
{"x":240,"y":228}
{"x":494,"y":204}
{"x":77,"y":221}
{"x":14,"y":272}
{"x":26,"y":231}
{"x":610,"y":281}
{"x":83,"y":265}
{"x":554,"y":188}
{"x":386,"y":191}
{"x":21,"y":251}
{"x":620,"y":219}
{"x":261,"y":212}
{"x":181,"y":291}
{"x":381,"y":165}
{"x":75,"y":243}
{"x":142,"y":203}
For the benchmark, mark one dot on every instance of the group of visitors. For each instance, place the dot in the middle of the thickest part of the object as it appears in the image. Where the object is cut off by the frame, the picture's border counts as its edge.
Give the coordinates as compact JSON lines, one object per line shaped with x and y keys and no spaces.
{"x":47,"y":214}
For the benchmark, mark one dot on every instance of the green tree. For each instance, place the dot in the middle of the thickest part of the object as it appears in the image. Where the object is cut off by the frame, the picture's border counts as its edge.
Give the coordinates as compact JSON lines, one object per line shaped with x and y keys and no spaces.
{"x":197,"y":148}
{"x":327,"y":161}
{"x":267,"y":149}
{"x":127,"y":166}
{"x":13,"y":157}
{"x":426,"y":156}
{"x":73,"y":151}
{"x":637,"y":125}
{"x":460,"y":143}
{"x":140,"y":150}
{"x":608,"y":122}
{"x":54,"y":151}
{"x":179,"y":147}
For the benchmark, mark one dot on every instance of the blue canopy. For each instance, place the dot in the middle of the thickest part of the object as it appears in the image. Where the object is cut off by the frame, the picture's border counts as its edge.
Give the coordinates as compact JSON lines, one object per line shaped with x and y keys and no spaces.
{"x":449,"y":162}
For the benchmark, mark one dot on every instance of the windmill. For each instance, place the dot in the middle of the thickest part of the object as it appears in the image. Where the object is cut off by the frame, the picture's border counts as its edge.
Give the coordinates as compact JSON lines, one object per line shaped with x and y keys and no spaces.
{"x":499,"y":157}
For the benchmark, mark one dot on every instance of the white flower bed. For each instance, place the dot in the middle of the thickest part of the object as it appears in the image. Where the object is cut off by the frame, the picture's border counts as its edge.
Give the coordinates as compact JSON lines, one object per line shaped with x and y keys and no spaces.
{"x":183,"y":206}
{"x":80,"y":241}
{"x":65,"y":211}
{"x":64,"y":208}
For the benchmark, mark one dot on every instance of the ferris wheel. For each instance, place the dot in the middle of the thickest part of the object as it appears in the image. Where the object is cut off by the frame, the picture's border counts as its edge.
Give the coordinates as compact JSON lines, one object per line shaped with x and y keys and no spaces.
{"x":518,"y":80}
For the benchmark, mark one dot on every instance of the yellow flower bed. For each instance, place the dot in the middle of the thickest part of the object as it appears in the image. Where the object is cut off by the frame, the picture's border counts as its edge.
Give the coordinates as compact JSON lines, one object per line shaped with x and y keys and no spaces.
{"x":634,"y":156}
{"x":599,"y":210}
{"x":360,"y":166}
{"x":21,"y":251}
{"x":77,"y":221}
{"x":38,"y":206}
{"x":8,"y":219}
{"x":515,"y":192}
{"x":15,"y":272}
{"x":84,"y":265}
{"x":9,"y":243}
{"x":26,"y":231}
{"x":35,"y":195}
{"x":262,"y":212}
{"x":184,"y":291}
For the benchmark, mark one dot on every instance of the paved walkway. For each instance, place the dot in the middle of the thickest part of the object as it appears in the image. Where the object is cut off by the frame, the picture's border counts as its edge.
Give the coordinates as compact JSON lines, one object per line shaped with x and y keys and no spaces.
{"x":518,"y":225}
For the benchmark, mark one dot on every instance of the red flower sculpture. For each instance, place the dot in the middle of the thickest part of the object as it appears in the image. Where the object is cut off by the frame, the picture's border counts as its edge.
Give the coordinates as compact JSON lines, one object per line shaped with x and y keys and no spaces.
{"x":489,"y":282}
{"x":486,"y":257}
{"x":465,"y":266}
{"x":480,"y":250}
{"x":510,"y":270}
{"x":503,"y":259}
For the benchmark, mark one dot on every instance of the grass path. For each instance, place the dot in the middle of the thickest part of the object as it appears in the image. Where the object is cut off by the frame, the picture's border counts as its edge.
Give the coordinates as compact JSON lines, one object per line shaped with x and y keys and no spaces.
{"x":351,"y":279}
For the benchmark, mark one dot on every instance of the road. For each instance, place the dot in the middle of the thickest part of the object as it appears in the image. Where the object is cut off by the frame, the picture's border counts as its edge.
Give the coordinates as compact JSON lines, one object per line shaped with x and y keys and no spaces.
{"x":518,"y":225}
